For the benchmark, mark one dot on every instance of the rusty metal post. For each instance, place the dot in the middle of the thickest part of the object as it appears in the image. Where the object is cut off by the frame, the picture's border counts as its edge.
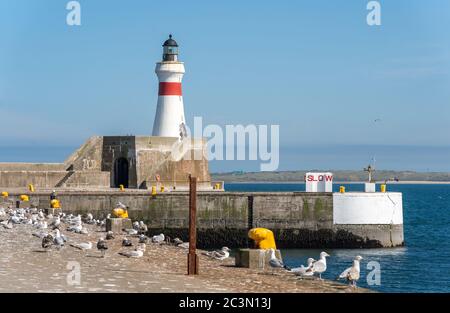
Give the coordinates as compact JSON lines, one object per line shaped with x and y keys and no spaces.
{"x":192,"y":255}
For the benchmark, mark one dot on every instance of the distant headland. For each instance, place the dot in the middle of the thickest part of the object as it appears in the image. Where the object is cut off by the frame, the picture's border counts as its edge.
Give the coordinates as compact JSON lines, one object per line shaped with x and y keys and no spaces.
{"x":345,"y":176}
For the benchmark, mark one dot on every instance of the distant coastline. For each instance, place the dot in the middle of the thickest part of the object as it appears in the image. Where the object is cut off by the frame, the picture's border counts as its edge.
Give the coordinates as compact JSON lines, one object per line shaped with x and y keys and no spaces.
{"x":339,"y":176}
{"x":345,"y":182}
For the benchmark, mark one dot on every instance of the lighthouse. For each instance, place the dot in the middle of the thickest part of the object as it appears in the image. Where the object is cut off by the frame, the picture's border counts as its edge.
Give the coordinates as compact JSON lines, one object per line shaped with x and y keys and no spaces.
{"x":169,"y":118}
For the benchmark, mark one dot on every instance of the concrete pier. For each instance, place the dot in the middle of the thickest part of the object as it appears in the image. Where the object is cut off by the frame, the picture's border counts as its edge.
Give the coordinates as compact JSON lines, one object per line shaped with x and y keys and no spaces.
{"x":298,"y":219}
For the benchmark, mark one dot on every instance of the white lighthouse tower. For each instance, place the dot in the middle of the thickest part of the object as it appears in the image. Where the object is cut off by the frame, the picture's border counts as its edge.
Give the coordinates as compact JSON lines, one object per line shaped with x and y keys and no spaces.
{"x":169,"y":118}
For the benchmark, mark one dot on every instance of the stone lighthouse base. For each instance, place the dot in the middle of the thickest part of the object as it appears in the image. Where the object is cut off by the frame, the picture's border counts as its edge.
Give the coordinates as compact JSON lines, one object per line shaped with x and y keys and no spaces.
{"x":138,"y":162}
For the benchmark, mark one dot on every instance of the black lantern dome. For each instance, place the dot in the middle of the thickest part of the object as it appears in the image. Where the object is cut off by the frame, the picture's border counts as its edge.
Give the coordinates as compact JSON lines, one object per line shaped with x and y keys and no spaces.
{"x":170,"y":50}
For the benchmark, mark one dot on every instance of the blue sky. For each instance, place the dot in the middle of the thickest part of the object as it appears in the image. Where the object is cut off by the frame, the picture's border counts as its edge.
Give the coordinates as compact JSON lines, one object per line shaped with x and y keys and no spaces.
{"x":313,"y":67}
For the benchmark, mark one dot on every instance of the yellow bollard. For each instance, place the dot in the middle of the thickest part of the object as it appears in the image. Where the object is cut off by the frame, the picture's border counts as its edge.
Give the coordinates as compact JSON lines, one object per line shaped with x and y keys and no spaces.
{"x":217,"y":186}
{"x":162,"y":188}
{"x":24,"y":198}
{"x":120,"y":213}
{"x":153,"y":191}
{"x":55,"y":204}
{"x":31,"y":187}
{"x":342,"y":189}
{"x":5,"y":194}
{"x":121,"y":187}
{"x":383,"y":188}
{"x":263,"y":237}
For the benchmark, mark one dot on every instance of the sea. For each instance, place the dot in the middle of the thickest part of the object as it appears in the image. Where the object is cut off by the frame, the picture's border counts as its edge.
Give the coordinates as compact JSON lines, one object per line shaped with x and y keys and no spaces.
{"x":422,"y":265}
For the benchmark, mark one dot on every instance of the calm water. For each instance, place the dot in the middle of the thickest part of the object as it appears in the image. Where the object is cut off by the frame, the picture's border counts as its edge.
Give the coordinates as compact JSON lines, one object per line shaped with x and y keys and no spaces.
{"x":423,"y":265}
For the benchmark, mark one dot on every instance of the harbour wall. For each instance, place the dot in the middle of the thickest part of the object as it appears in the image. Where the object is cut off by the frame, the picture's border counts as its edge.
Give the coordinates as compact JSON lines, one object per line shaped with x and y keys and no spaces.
{"x":298,"y":219}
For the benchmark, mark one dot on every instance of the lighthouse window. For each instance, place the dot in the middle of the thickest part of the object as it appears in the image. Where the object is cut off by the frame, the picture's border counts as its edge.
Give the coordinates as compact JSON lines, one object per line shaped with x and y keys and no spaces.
{"x":170,"y":50}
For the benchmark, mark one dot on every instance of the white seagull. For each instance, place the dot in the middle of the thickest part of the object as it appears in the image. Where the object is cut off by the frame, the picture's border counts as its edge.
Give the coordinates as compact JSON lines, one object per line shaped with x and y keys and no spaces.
{"x":304,"y":270}
{"x":219,"y":254}
{"x":274,"y":262}
{"x":137,"y":253}
{"x":58,"y":240}
{"x":158,"y":238}
{"x":82,"y":246}
{"x":320,"y":265}
{"x":352,"y":273}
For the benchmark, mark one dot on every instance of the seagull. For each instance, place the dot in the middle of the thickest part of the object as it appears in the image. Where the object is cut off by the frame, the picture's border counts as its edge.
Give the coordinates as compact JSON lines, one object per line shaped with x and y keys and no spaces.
{"x":82,"y":246}
{"x":136,"y":253}
{"x":142,"y":227}
{"x":77,"y":228}
{"x":126,"y":242}
{"x":219,"y":254}
{"x":89,"y":218}
{"x":143,"y":239}
{"x":102,"y":246}
{"x":42,"y":225}
{"x":120,"y":205}
{"x":56,"y":222}
{"x":47,"y":241}
{"x":352,"y":273}
{"x":274,"y":262}
{"x":58,"y":240}
{"x":158,"y":238}
{"x":136,"y":225}
{"x":7,"y":225}
{"x":40,"y":234}
{"x":304,"y":270}
{"x":179,"y":243}
{"x":320,"y":266}
{"x":131,"y":231}
{"x":109,"y":235}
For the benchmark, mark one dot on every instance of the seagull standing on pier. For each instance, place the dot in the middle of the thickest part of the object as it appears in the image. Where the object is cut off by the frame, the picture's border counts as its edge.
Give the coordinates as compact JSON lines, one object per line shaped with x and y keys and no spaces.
{"x":102,"y":246}
{"x":142,"y":228}
{"x":109,"y":235}
{"x":320,"y":266}
{"x":352,"y":273}
{"x":56,"y":222}
{"x":274,"y":262}
{"x":47,"y":241}
{"x":58,"y":240}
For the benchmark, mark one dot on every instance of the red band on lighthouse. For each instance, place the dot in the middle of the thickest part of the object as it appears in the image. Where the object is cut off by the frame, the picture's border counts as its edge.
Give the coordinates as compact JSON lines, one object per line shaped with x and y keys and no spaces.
{"x":169,"y":89}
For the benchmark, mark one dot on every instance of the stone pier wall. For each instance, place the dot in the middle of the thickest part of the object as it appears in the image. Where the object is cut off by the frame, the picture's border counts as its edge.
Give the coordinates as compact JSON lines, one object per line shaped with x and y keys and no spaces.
{"x":299,"y":220}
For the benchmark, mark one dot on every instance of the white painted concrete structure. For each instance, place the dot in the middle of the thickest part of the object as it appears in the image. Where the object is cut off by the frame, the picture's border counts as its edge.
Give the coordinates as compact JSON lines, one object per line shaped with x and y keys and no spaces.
{"x":368,"y":208}
{"x":319,"y":182}
{"x":370,"y":187}
{"x":169,"y":118}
